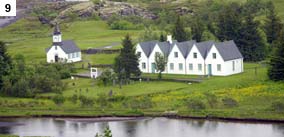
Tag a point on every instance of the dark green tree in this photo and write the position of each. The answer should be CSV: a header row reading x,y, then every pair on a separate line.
x,y
276,69
161,63
272,23
5,63
251,43
162,37
126,63
229,23
197,29
179,32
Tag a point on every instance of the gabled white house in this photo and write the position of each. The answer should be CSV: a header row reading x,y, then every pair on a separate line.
x,y
62,51
192,58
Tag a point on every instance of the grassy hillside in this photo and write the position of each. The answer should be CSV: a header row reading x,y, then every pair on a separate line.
x,y
30,38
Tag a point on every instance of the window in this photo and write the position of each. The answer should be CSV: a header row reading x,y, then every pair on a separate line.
x,y
200,67
172,66
214,55
143,65
73,55
233,65
190,66
55,47
218,67
195,55
180,66
139,54
176,54
77,54
69,56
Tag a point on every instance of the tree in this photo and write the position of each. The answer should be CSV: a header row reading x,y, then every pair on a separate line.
x,y
107,77
179,32
251,44
127,62
229,23
276,69
161,63
58,100
162,37
272,23
197,29
148,35
5,63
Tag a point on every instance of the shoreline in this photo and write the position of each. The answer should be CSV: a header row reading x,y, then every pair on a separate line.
x,y
112,118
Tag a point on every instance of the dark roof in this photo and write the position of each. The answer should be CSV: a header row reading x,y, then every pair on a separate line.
x,y
228,50
56,30
148,47
204,47
185,47
67,46
166,47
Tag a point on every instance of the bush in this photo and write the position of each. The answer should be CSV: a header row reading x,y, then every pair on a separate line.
x,y
229,102
124,25
74,99
58,100
195,104
143,102
86,102
277,106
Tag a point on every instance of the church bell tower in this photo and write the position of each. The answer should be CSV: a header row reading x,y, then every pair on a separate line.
x,y
57,36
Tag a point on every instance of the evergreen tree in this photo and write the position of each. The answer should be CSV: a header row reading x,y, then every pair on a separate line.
x,y
197,29
276,69
5,63
272,23
127,62
179,32
251,43
161,63
229,23
162,37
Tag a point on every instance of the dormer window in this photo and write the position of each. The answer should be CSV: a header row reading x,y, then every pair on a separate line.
x,y
214,55
195,55
176,54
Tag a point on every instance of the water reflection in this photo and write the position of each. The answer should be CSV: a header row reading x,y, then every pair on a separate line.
x,y
156,127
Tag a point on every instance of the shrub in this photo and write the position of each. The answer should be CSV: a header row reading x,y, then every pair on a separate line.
x,y
58,99
124,25
195,104
277,106
74,99
229,102
86,102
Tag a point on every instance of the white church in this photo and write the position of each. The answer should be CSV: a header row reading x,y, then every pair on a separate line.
x,y
192,58
62,51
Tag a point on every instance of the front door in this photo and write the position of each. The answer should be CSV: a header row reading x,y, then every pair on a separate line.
x,y
153,67
209,69
56,58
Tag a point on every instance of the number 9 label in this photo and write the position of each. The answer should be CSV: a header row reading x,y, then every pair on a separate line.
x,y
8,8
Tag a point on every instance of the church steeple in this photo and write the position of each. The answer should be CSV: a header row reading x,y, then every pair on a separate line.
x,y
57,36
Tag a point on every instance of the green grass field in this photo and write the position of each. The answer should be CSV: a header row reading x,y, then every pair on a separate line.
x,y
30,38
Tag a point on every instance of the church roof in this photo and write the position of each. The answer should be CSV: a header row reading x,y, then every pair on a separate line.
x,y
68,46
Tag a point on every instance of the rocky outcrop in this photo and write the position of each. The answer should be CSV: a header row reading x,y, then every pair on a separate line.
x,y
105,10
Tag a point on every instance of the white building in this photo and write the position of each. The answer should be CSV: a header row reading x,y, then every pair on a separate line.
x,y
62,51
192,58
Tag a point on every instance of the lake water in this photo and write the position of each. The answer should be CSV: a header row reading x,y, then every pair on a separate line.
x,y
148,127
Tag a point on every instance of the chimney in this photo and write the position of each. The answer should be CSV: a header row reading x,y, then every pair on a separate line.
x,y
169,39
